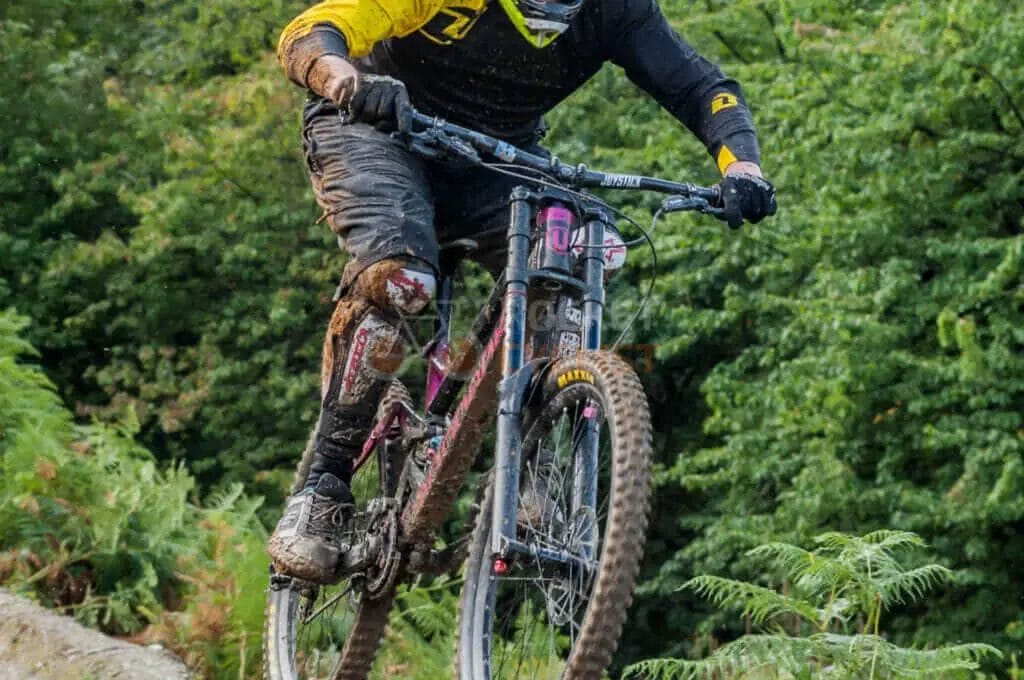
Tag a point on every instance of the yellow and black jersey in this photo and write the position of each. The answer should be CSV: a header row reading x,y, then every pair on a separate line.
x,y
464,60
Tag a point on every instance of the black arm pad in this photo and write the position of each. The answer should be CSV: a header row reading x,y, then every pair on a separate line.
x,y
323,39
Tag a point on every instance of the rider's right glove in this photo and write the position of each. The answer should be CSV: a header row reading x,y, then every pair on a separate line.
x,y
747,197
380,101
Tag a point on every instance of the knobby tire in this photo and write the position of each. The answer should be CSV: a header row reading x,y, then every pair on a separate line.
x,y
627,433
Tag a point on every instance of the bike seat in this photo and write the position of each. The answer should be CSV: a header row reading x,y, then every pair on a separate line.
x,y
453,252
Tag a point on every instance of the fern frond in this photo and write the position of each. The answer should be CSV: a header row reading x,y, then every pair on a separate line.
x,y
789,558
683,669
890,539
430,616
812,573
777,651
224,498
777,655
912,585
835,540
928,663
857,652
866,560
761,604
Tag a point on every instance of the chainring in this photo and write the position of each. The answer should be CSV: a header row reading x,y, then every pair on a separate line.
x,y
383,570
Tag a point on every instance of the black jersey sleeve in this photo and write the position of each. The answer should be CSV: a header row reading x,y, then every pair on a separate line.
x,y
691,88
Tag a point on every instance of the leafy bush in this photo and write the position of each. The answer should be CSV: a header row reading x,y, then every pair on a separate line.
x,y
420,638
854,362
89,524
828,624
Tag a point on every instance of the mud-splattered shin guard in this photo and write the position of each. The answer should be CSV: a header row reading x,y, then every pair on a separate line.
x,y
362,351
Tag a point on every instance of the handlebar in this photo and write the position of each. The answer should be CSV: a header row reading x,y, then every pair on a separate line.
x,y
433,137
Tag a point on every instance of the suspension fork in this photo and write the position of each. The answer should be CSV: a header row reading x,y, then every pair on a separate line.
x,y
509,436
585,463
516,375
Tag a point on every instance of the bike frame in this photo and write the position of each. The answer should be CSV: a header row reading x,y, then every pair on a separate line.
x,y
501,329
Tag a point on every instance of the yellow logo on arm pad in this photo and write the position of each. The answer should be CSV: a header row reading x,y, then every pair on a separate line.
x,y
723,101
574,376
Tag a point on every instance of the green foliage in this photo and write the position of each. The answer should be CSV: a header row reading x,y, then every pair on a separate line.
x,y
839,591
420,638
157,219
91,525
86,515
851,364
218,340
856,361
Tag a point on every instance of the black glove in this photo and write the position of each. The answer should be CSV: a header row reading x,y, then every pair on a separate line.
x,y
381,101
747,197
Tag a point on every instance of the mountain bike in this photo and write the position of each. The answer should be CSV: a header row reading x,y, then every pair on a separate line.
x,y
550,565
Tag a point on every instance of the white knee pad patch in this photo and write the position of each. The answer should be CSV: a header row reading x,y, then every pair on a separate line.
x,y
410,290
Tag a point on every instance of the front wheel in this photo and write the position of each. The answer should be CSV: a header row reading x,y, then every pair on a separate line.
x,y
584,491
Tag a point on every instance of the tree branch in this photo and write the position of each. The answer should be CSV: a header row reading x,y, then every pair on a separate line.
x,y
983,70
778,41
729,46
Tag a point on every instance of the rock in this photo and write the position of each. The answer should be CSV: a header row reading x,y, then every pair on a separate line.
x,y
38,644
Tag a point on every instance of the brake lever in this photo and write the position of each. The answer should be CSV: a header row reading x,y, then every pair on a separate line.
x,y
462,148
683,203
435,144
691,203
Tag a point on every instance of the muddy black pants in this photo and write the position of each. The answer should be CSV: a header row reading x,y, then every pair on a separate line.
x,y
383,201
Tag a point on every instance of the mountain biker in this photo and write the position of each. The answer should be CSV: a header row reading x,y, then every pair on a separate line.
x,y
492,65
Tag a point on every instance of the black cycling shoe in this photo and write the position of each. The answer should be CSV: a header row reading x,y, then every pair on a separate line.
x,y
307,542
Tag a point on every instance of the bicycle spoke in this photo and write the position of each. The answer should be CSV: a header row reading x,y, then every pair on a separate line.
x,y
540,605
333,601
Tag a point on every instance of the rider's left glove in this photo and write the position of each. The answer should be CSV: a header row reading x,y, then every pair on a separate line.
x,y
747,197
380,101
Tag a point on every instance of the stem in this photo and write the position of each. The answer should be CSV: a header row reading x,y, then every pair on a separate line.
x,y
729,46
57,566
241,658
877,615
779,46
823,624
874,613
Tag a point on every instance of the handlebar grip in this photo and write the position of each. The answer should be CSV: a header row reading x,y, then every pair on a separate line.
x,y
712,194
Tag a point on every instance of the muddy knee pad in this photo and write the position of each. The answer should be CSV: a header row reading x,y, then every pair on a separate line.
x,y
362,351
402,286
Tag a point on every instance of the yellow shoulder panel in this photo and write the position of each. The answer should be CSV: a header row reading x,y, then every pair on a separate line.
x,y
362,22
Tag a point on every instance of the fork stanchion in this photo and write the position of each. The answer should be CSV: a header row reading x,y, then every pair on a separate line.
x,y
509,437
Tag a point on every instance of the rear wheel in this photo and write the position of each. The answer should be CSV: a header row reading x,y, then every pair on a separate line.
x,y
584,491
313,632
